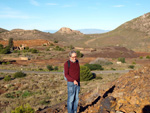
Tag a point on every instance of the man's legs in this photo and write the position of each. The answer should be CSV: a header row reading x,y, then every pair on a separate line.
x,y
73,97
71,94
76,100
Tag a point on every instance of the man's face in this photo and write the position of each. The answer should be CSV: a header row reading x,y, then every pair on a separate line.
x,y
73,57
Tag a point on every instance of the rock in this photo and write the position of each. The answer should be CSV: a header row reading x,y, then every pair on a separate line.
x,y
107,104
65,30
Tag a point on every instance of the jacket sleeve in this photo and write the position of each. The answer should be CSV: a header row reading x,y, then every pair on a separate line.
x,y
66,70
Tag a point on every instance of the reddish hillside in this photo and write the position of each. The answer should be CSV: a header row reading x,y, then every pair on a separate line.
x,y
29,43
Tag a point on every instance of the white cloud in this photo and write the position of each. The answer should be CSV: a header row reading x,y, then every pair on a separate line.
x,y
118,6
51,4
8,12
34,2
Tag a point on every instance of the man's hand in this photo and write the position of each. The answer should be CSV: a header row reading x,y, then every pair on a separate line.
x,y
75,82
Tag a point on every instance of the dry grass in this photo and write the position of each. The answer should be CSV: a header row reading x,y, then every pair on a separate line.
x,y
43,90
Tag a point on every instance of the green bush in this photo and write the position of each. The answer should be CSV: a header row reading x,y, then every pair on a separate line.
x,y
26,94
5,50
50,67
57,48
133,62
113,68
7,78
19,74
141,57
122,59
55,41
56,68
79,54
71,47
148,57
34,51
1,46
94,66
131,66
10,95
85,73
23,109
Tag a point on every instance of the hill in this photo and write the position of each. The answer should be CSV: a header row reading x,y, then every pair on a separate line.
x,y
134,34
20,34
3,30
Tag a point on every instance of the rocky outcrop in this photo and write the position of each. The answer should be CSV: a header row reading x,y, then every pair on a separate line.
x,y
65,30
128,94
132,91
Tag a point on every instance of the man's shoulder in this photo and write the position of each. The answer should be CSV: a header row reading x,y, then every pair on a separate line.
x,y
66,63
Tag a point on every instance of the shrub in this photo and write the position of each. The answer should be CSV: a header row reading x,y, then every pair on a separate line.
x,y
57,48
50,67
55,41
56,68
85,73
7,78
141,57
71,47
94,66
131,66
5,50
19,74
133,62
23,109
148,57
51,44
34,51
113,68
26,94
79,54
1,46
10,95
26,48
122,59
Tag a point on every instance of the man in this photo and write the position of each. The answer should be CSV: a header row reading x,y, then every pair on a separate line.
x,y
72,74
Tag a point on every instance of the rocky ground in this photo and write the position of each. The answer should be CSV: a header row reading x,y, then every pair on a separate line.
x,y
46,90
128,94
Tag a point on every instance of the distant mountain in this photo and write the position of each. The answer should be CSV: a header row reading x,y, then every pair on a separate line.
x,y
84,31
50,31
92,31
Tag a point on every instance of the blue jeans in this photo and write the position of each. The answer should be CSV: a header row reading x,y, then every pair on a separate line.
x,y
73,97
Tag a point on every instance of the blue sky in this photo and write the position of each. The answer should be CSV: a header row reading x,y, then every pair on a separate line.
x,y
75,14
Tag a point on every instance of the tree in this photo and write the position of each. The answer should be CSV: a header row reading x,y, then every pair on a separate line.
x,y
10,43
85,73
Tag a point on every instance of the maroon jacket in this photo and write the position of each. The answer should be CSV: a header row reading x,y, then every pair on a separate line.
x,y
73,72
